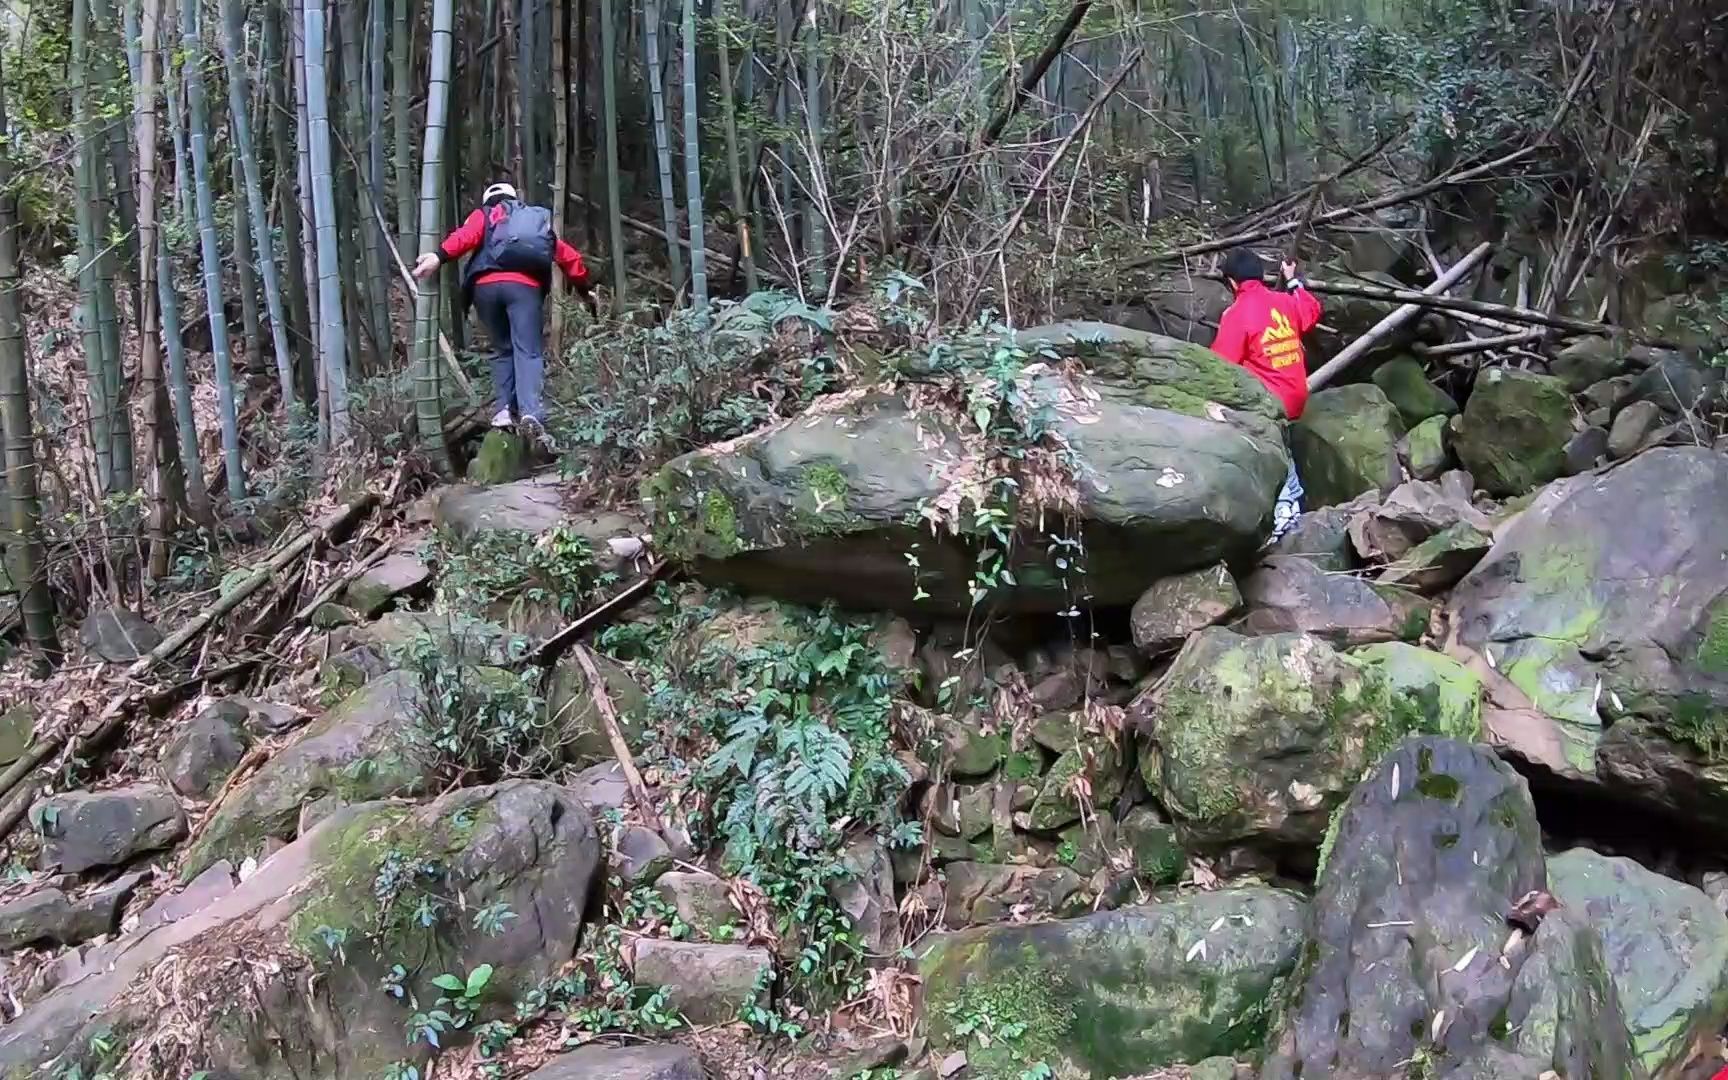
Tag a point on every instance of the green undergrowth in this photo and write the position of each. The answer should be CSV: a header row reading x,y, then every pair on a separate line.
x,y
778,721
628,398
483,723
555,570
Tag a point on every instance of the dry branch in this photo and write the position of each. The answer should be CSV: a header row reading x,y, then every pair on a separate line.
x,y
615,736
1396,198
1499,312
556,645
1476,345
1399,317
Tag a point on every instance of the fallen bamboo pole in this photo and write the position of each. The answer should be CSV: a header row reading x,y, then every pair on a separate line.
x,y
1385,327
556,645
252,583
1476,345
1502,312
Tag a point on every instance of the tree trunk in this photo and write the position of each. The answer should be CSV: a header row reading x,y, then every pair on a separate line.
x,y
815,223
729,116
90,232
250,195
662,141
529,90
25,560
245,273
297,322
332,330
560,160
403,151
177,121
158,445
198,116
693,164
428,399
609,92
372,313
119,147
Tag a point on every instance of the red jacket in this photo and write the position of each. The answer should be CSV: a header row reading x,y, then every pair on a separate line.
x,y
1262,331
468,237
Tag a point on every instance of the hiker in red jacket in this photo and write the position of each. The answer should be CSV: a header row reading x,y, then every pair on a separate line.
x,y
1262,331
507,280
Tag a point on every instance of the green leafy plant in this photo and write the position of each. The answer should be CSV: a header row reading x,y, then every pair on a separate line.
x,y
482,722
553,570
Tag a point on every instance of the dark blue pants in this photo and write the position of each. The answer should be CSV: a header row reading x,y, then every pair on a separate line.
x,y
514,315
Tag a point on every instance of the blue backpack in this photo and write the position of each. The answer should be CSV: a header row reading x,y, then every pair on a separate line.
x,y
522,242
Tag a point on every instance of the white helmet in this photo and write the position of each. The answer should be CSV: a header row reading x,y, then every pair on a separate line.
x,y
498,191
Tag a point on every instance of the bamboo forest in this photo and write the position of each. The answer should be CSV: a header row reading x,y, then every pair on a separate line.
x,y
863,539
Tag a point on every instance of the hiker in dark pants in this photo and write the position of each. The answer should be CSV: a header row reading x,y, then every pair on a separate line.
x,y
1262,331
514,252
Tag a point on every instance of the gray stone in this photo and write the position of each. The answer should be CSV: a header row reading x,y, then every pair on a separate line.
x,y
866,894
1290,594
523,846
642,856
1408,938
977,893
1604,600
1405,384
118,635
702,901
1119,992
662,1062
50,916
707,984
1632,427
369,747
1587,361
602,787
1177,606
1666,946
1423,450
1214,1068
1413,513
202,891
1323,536
17,729
83,830
1439,562
1586,450
395,575
1258,739
200,756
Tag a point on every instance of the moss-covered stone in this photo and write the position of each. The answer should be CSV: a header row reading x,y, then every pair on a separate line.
x,y
1112,994
1087,775
1514,430
1171,457
1424,449
1346,443
503,457
1406,385
1258,739
1177,606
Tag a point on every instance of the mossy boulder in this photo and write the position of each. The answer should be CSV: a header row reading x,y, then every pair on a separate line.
x,y
1261,738
1177,460
1408,957
503,456
1606,602
1588,361
1087,774
1667,950
1406,385
1113,994
1346,443
1424,448
976,893
322,923
369,747
1513,433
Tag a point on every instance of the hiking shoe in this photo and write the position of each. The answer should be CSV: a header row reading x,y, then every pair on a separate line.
x,y
502,420
535,432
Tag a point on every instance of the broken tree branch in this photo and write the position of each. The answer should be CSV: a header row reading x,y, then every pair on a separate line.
x,y
1451,179
556,645
615,736
252,583
1080,127
1500,312
1476,345
1385,327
